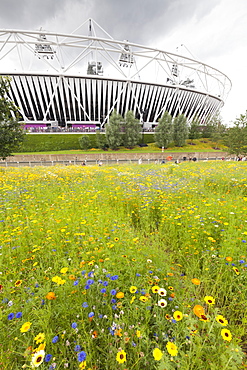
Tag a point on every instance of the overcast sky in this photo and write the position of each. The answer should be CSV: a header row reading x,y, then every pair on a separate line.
x,y
213,31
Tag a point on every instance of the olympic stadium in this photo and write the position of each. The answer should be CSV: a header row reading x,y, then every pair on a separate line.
x,y
77,80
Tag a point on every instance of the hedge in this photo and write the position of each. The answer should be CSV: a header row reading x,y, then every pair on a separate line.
x,y
57,142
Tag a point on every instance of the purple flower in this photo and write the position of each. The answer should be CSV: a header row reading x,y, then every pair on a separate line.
x,y
18,315
103,290
74,325
11,316
113,292
90,274
76,282
81,356
90,281
84,304
48,357
77,348
105,283
55,339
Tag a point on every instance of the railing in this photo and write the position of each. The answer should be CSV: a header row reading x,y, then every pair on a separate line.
x,y
107,162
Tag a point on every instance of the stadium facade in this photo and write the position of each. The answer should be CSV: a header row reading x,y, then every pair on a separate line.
x,y
78,80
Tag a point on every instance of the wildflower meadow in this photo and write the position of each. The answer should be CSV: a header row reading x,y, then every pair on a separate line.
x,y
127,267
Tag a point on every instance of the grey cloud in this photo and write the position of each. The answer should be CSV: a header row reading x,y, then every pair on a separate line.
x,y
140,21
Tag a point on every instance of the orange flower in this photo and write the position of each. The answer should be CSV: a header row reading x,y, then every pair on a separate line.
x,y
196,281
120,295
198,310
50,296
229,259
95,334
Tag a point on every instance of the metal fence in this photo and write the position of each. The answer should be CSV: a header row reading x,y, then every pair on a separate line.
x,y
103,162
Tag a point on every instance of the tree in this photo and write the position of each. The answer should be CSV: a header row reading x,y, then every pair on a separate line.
x,y
85,142
194,129
236,137
113,131
11,130
219,130
101,140
180,130
131,128
164,130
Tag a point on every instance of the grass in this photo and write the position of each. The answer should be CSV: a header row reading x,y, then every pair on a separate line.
x,y
202,145
126,267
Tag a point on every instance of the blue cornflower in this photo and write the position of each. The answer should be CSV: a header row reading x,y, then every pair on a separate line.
x,y
113,300
83,272
100,281
74,325
81,356
105,283
55,339
114,277
18,315
48,357
90,274
243,241
11,316
84,304
114,307
241,261
87,286
76,282
77,348
133,344
103,290
90,281
91,314
113,292
173,321
137,274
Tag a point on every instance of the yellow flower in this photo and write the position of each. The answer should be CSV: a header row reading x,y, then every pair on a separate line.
x,y
121,357
132,299
155,288
178,315
226,334
18,283
64,270
82,365
37,358
209,300
25,327
172,349
138,333
236,270
157,353
221,320
133,289
40,338
143,298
